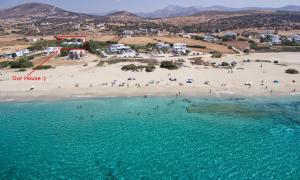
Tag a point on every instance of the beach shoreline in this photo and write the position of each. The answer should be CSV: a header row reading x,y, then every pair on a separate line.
x,y
86,79
115,93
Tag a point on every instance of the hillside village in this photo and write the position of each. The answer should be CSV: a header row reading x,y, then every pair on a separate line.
x,y
244,42
131,30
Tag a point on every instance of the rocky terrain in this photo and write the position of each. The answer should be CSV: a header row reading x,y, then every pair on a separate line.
x,y
44,19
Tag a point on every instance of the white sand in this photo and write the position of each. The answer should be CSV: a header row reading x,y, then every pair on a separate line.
x,y
60,82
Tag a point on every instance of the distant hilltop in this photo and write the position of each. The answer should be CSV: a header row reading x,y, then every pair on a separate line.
x,y
46,10
41,19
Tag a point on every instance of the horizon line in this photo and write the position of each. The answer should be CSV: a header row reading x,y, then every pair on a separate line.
x,y
104,12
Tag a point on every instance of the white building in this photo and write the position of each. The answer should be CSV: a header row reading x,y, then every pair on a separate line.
x,y
128,32
128,54
115,48
210,38
275,39
31,39
101,26
50,50
180,48
22,53
71,43
162,46
230,33
296,38
45,24
76,54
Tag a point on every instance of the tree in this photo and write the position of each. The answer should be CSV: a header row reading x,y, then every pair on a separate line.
x,y
64,53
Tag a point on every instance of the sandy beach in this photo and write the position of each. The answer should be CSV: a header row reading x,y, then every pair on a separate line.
x,y
77,80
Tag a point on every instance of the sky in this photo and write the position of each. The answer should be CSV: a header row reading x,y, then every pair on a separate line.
x,y
98,6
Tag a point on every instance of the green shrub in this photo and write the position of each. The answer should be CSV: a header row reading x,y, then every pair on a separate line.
x,y
168,65
196,37
29,58
22,63
94,46
216,54
4,64
64,53
247,51
241,39
291,71
224,64
132,67
197,61
100,63
150,68
197,46
45,67
21,70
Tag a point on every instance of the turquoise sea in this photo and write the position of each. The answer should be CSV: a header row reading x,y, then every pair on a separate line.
x,y
153,138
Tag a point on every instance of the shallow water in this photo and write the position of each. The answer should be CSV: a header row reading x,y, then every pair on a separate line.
x,y
153,138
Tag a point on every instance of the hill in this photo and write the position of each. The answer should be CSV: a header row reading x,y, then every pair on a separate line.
x,y
38,10
122,16
178,11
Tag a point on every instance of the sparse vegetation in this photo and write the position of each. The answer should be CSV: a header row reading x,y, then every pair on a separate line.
x,y
132,67
149,68
170,65
21,70
94,47
246,51
100,63
197,46
216,54
225,64
135,68
292,71
4,64
45,67
40,45
197,61
64,53
21,63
